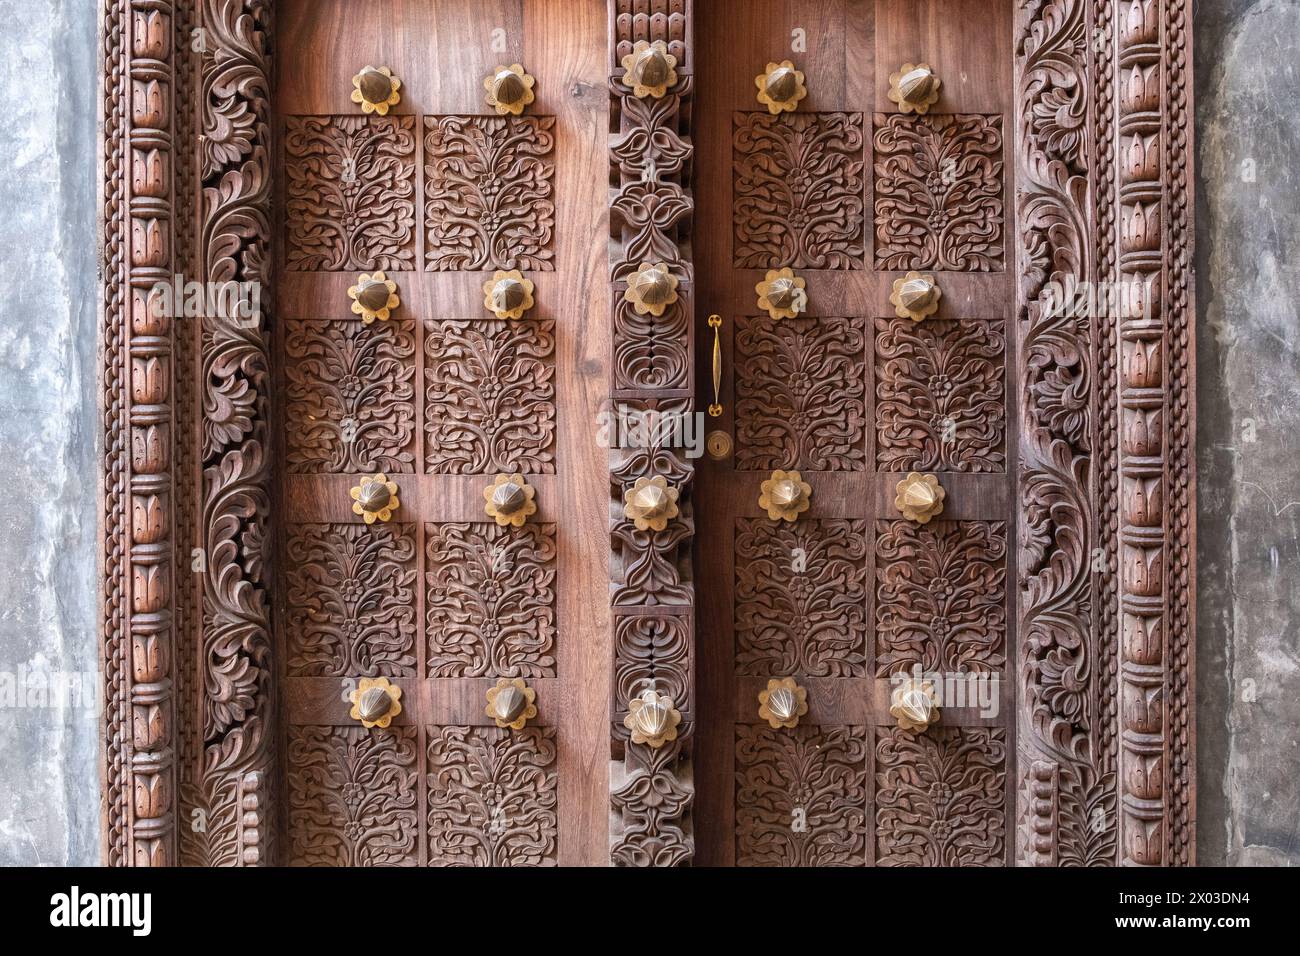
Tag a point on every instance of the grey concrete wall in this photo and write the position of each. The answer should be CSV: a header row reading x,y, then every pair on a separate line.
x,y
49,778
1248,261
1248,235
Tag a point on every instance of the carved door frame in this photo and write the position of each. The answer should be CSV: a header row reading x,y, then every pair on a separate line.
x,y
1106,469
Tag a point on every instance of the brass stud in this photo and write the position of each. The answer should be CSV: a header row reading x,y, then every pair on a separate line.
x,y
651,289
375,498
915,296
375,88
780,87
512,703
510,500
375,702
914,704
783,703
652,719
915,88
509,89
919,497
650,69
781,294
374,297
785,496
651,503
508,295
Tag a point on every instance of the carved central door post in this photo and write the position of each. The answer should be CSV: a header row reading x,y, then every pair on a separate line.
x,y
652,383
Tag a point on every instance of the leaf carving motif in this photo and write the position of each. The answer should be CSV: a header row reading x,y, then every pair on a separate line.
x,y
350,396
798,191
350,184
491,600
939,185
489,181
800,394
801,597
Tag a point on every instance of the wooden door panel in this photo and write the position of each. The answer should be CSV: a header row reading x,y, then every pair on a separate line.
x,y
441,397
852,194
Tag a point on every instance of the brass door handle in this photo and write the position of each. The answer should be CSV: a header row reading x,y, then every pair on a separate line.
x,y
783,703
715,410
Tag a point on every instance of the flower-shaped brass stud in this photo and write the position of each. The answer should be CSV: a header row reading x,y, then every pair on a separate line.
x,y
651,289
375,498
781,294
651,503
914,704
914,88
784,496
650,69
915,296
780,87
509,89
510,500
375,702
375,88
374,297
783,703
919,497
508,295
512,703
652,718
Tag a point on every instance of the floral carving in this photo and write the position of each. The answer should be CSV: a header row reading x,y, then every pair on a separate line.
x,y
491,600
651,652
939,190
351,600
941,596
352,796
940,797
489,190
800,394
350,183
801,796
652,351
490,397
350,397
940,402
798,191
492,796
801,598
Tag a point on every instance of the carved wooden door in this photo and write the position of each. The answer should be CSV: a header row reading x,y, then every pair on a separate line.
x,y
472,358
851,191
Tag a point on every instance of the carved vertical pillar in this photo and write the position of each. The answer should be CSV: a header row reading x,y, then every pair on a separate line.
x,y
652,380
1143,395
150,158
236,668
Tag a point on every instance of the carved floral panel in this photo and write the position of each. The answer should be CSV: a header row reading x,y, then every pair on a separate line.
x,y
489,397
488,185
652,351
798,191
940,797
940,402
492,796
800,394
651,651
801,597
350,396
491,600
352,796
801,796
350,192
351,600
941,596
938,192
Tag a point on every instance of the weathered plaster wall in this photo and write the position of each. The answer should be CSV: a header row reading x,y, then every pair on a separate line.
x,y
1248,261
49,789
1248,234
